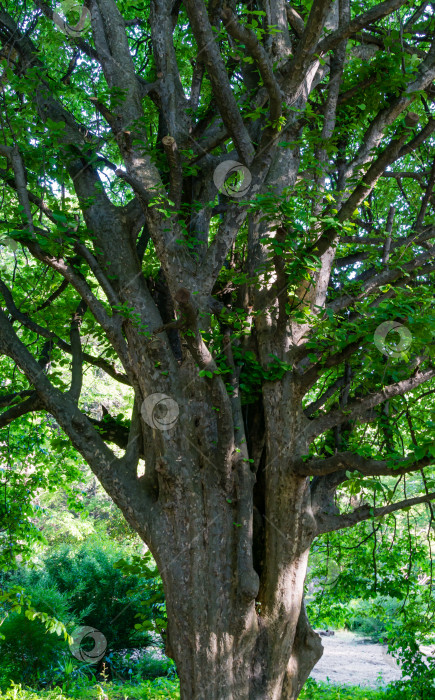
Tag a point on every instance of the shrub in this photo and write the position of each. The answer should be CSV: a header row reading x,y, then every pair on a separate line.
x,y
363,617
27,649
150,667
80,585
98,594
137,667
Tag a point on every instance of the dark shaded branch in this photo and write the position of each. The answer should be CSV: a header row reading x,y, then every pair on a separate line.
x,y
330,391
53,337
111,431
210,54
192,335
295,20
354,462
356,89
256,50
95,267
426,197
111,325
310,376
419,139
175,170
358,23
360,193
134,448
77,352
8,399
13,155
415,16
30,405
57,292
32,197
330,523
387,276
142,242
388,230
356,408
294,70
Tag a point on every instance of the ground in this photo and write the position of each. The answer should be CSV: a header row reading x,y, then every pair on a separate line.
x,y
351,660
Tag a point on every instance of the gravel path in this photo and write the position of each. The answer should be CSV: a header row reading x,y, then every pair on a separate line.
x,y
350,660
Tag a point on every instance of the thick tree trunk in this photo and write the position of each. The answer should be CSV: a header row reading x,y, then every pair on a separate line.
x,y
222,663
235,631
211,611
226,647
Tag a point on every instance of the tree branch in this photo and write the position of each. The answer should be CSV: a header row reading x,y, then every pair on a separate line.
x,y
249,39
318,403
50,335
359,22
212,58
351,461
361,191
330,523
121,485
13,155
77,352
357,408
30,405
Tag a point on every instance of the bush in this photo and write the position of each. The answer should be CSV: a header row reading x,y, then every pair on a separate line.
x,y
363,617
81,586
28,650
98,594
417,668
140,666
150,667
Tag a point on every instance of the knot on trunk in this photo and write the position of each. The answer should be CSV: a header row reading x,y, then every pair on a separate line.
x,y
249,584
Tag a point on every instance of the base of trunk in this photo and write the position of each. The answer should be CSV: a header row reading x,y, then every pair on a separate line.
x,y
221,669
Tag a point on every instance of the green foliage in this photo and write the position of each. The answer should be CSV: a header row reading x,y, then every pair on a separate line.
x,y
159,689
82,585
405,644
50,497
165,689
100,594
136,667
396,691
27,650
323,691
152,615
24,475
362,617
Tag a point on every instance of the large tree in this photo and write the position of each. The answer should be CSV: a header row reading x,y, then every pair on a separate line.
x,y
232,205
